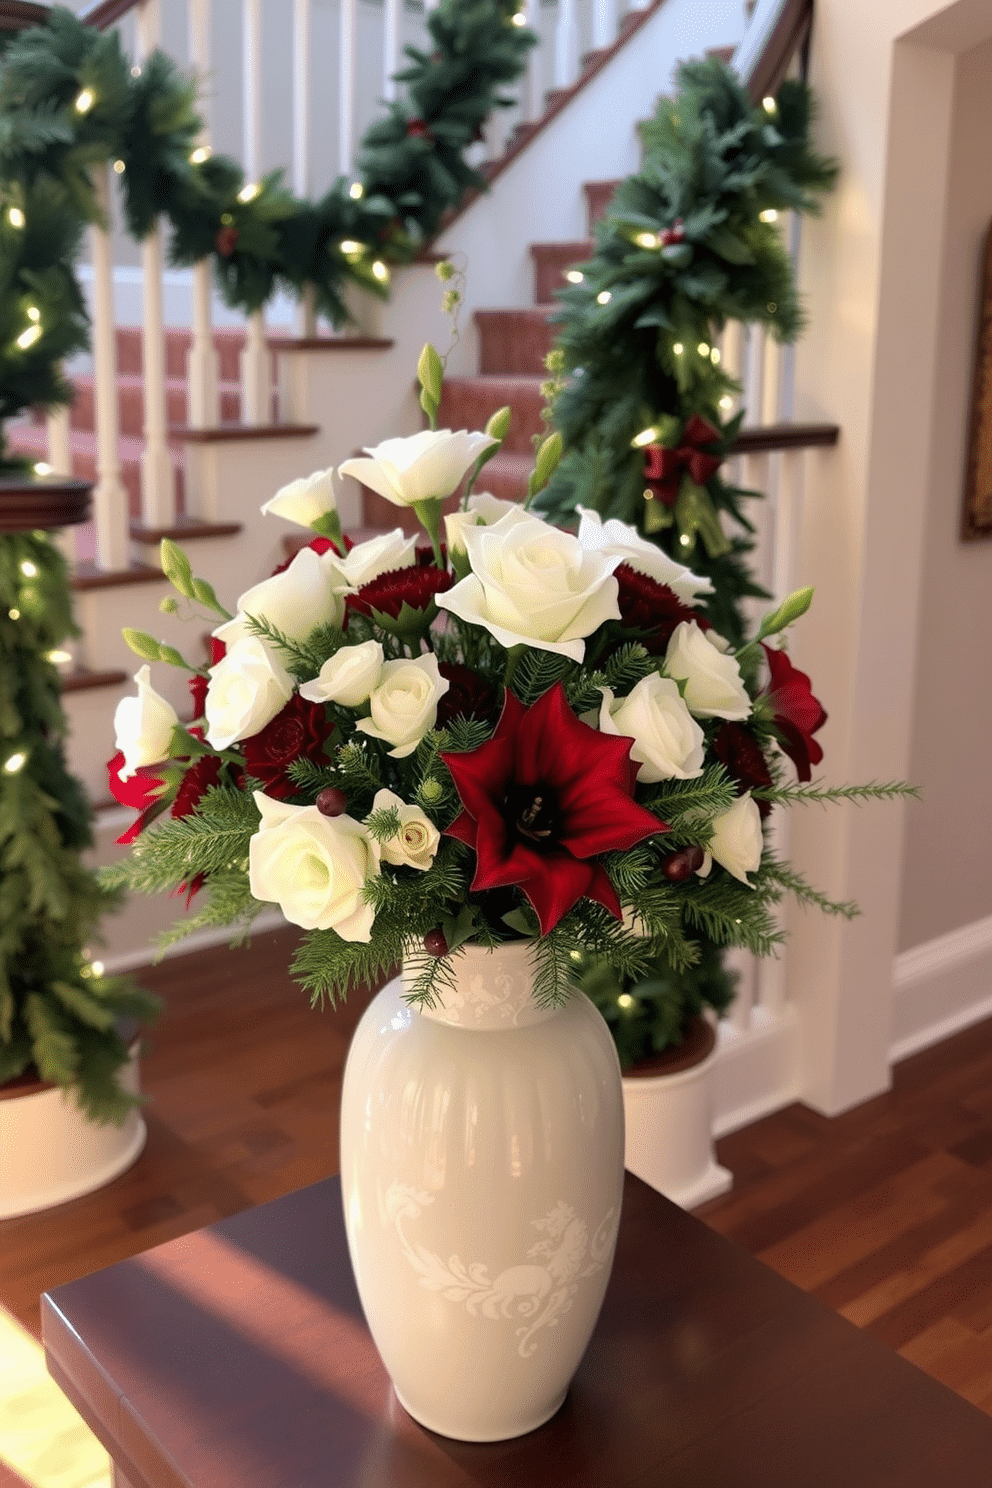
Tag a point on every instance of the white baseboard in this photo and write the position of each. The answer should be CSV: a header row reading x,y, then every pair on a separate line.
x,y
756,1072
941,987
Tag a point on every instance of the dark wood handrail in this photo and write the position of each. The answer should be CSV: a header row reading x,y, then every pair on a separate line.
x,y
17,15
764,437
105,12
787,25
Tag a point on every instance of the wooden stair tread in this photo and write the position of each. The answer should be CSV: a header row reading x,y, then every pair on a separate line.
x,y
88,575
331,343
82,679
185,529
219,433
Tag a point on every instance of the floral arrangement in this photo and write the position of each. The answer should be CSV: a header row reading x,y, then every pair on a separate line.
x,y
502,730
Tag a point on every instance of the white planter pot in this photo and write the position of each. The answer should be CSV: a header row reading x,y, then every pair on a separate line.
x,y
482,1174
50,1152
669,1133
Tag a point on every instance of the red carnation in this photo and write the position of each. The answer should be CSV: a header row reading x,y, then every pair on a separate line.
x,y
414,586
141,790
740,754
542,799
652,609
320,545
796,713
468,696
300,731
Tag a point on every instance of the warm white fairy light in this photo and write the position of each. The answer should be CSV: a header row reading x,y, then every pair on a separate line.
x,y
135,71
42,467
625,1000
703,348
199,155
15,762
768,104
29,337
351,248
249,192
575,276
604,297
119,167
647,240
34,313
58,658
715,357
685,541
96,967
356,190
380,271
769,215
29,569
678,348
646,436
726,401
15,217
85,101
518,18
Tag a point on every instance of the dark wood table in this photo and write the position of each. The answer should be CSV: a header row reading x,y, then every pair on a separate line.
x,y
237,1357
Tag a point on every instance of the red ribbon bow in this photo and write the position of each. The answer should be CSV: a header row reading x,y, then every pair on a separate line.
x,y
664,468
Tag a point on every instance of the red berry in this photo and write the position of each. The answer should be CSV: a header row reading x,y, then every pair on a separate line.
x,y
678,866
332,802
435,943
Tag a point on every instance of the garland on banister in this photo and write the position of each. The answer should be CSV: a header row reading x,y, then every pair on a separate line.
x,y
690,242
70,100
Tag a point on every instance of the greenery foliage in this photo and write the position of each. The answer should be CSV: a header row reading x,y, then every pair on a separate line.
x,y
57,1013
70,102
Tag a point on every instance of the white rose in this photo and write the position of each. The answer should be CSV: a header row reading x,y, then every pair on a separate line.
x,y
615,538
736,842
295,601
143,726
415,844
347,677
668,742
422,467
368,560
534,585
304,501
483,511
714,688
404,703
314,867
246,691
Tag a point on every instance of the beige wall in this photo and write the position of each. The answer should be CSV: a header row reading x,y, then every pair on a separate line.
x,y
947,875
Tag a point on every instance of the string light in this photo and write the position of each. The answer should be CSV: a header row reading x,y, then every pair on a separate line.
x,y
646,436
769,215
42,467
34,313
226,219
119,167
29,337
29,569
518,18
16,217
356,190
14,614
715,357
136,71
380,271
604,297
678,348
85,101
685,541
703,348
199,155
14,763
248,193
350,248
625,1000
647,240
575,276
58,658
726,401
97,968
769,105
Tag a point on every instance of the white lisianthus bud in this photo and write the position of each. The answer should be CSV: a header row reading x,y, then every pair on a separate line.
x,y
534,585
483,511
295,601
667,740
314,867
415,844
422,467
714,687
737,842
614,538
304,501
368,560
347,677
247,688
143,726
404,703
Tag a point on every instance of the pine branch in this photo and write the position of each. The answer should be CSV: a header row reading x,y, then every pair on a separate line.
x,y
784,876
800,794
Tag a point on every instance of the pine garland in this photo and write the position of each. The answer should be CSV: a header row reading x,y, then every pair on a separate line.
x,y
69,102
57,1012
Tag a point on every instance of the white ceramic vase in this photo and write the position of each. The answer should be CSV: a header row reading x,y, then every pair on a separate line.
x,y
482,1174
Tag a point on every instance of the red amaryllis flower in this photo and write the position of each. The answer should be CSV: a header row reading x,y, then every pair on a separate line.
x,y
414,586
320,546
300,731
652,609
468,695
141,790
201,775
542,799
796,713
740,753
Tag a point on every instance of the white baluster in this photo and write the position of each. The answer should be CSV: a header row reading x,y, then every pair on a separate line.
x,y
202,363
743,964
346,86
754,375
566,47
255,361
604,23
306,320
532,97
59,454
110,506
390,47
158,493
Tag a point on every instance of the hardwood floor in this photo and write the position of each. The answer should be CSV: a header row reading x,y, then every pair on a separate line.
x,y
885,1213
